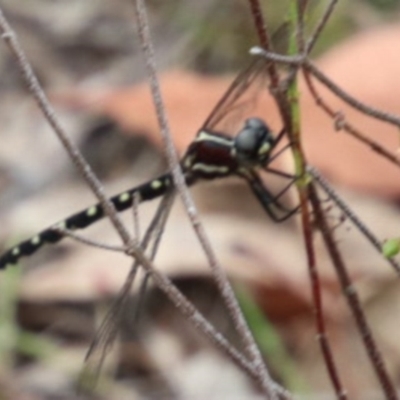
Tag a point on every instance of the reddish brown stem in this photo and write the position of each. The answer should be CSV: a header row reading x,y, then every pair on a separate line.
x,y
317,301
265,42
352,298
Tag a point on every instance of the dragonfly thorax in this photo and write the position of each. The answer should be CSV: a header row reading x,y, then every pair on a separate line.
x,y
254,142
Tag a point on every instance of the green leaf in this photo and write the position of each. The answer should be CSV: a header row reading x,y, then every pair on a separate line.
x,y
391,247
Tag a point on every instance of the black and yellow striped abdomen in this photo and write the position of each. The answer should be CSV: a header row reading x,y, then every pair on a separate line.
x,y
82,219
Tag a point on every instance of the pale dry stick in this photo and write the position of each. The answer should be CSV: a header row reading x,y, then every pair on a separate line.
x,y
376,147
199,321
353,102
79,238
34,87
346,126
376,243
184,306
219,275
135,214
156,230
297,60
342,124
302,60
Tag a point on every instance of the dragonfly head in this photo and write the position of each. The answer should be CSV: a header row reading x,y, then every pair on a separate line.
x,y
254,142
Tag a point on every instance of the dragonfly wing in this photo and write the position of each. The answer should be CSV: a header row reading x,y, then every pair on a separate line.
x,y
240,97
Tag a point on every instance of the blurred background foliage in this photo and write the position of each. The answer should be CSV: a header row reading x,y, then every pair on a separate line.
x,y
209,36
218,35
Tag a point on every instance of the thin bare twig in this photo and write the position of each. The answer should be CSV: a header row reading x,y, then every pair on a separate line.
x,y
347,127
225,288
344,125
198,320
358,105
318,309
296,60
376,243
352,298
302,60
89,242
135,214
263,36
300,25
321,25
10,38
262,30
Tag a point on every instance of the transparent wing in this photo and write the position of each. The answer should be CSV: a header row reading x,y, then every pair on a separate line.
x,y
105,337
109,328
239,99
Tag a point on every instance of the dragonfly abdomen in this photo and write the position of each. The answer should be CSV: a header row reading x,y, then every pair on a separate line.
x,y
148,191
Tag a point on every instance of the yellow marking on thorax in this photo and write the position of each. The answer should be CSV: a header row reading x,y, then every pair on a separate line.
x,y
221,169
264,149
204,136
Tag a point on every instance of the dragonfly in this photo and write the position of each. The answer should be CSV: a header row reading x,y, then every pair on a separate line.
x,y
213,154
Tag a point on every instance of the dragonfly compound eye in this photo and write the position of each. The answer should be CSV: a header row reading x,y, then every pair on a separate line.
x,y
254,142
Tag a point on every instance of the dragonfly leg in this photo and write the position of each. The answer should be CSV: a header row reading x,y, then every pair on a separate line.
x,y
280,173
274,204
268,201
285,189
277,154
268,207
286,216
